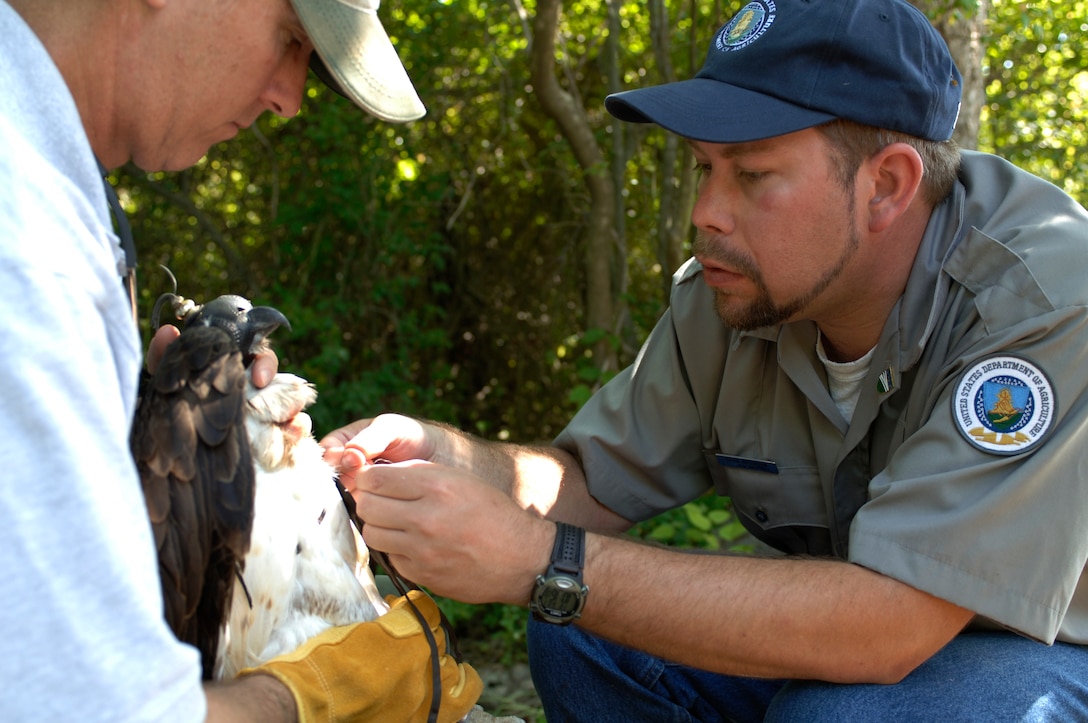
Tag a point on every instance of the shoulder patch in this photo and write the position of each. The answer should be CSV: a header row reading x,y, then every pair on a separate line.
x,y
1004,405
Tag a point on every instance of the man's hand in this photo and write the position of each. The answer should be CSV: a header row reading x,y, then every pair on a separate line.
x,y
255,698
451,531
388,437
262,370
164,336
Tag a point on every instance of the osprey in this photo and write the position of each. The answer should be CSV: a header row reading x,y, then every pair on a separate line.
x,y
256,546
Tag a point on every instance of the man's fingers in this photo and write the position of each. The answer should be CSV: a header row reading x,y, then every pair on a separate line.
x,y
164,335
348,462
391,437
386,500
400,481
264,368
339,437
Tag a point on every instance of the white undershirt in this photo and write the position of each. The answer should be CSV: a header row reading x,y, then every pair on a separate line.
x,y
844,379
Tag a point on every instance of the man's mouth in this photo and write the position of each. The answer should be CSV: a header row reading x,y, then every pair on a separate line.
x,y
716,274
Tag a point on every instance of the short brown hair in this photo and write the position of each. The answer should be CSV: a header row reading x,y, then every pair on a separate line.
x,y
851,143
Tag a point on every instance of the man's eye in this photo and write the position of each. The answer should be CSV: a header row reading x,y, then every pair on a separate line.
x,y
751,176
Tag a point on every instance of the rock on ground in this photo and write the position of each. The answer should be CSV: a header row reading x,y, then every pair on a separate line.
x,y
479,715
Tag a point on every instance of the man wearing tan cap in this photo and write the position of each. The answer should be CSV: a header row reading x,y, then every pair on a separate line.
x,y
87,85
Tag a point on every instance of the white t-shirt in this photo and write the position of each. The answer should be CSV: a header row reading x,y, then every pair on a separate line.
x,y
844,378
82,635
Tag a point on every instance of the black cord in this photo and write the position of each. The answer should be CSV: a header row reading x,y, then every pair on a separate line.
x,y
403,585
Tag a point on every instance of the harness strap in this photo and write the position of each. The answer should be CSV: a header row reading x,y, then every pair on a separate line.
x,y
128,245
403,585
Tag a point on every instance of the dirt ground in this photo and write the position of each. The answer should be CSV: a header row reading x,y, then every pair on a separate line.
x,y
508,694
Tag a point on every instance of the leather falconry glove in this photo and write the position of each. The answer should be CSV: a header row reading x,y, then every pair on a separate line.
x,y
376,671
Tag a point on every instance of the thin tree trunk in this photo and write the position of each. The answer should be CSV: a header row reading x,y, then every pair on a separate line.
x,y
674,217
962,31
600,237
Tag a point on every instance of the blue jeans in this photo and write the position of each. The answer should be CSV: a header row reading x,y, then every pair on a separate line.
x,y
989,677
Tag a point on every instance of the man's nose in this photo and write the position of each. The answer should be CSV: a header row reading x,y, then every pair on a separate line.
x,y
283,94
711,211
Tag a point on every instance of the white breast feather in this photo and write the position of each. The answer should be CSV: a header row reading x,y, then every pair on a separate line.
x,y
307,567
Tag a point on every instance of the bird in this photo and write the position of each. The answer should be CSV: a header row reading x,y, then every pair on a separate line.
x,y
258,548
307,568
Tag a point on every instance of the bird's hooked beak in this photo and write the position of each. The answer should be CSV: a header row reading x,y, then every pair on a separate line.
x,y
261,321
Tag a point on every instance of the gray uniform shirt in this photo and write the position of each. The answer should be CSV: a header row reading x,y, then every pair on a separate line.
x,y
962,472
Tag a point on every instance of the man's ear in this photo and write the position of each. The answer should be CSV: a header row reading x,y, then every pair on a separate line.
x,y
894,175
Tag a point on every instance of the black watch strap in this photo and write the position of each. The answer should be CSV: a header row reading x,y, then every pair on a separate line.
x,y
569,552
559,595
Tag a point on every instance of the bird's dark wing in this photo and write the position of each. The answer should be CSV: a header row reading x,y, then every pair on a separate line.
x,y
190,446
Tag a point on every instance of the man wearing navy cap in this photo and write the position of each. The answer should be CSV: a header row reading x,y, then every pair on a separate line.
x,y
879,353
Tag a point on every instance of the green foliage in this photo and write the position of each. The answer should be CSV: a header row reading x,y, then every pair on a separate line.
x,y
590,375
1036,74
500,627
707,523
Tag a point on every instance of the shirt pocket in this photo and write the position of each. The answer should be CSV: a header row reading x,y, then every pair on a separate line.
x,y
782,506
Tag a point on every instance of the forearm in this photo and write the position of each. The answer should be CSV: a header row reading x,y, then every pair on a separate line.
x,y
774,618
256,698
544,480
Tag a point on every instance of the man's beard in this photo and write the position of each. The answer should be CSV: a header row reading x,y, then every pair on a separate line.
x,y
763,311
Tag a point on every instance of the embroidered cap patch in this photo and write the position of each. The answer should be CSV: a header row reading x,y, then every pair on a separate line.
x,y
746,26
1004,405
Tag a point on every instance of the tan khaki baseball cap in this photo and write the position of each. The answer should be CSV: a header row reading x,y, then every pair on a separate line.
x,y
356,58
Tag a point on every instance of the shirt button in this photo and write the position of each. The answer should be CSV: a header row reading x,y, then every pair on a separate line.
x,y
761,516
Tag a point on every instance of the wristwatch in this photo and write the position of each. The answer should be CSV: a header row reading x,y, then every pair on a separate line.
x,y
559,595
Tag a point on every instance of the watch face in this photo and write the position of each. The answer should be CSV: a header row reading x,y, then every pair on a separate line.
x,y
558,599
559,596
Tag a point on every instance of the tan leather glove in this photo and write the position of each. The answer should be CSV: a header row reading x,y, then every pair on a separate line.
x,y
376,671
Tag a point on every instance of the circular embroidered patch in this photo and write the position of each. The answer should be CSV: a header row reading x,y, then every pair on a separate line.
x,y
746,26
1004,405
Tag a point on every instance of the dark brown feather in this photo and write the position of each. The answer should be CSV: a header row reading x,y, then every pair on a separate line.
x,y
193,456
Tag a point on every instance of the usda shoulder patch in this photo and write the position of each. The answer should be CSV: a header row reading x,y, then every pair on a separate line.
x,y
1004,405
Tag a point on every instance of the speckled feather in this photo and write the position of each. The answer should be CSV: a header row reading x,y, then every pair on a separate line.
x,y
256,550
193,456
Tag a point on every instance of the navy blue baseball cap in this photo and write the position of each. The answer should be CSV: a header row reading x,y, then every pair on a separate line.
x,y
780,66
